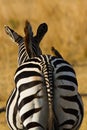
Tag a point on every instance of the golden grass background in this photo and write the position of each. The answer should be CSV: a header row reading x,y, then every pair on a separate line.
x,y
67,31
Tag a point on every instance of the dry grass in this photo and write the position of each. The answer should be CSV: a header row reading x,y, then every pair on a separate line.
x,y
67,32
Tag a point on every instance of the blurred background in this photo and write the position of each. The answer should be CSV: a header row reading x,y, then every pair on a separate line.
x,y
67,32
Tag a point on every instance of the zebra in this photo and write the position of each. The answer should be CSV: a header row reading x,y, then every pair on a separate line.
x,y
67,83
66,103
33,77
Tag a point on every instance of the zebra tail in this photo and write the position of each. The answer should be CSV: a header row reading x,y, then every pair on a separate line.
x,y
51,118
